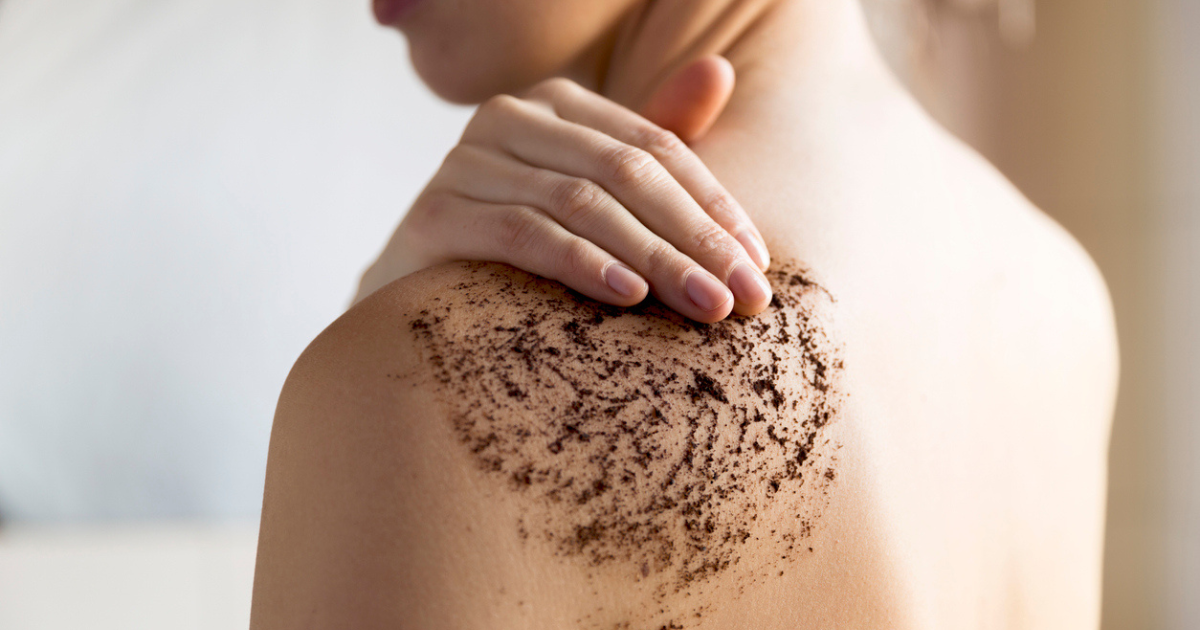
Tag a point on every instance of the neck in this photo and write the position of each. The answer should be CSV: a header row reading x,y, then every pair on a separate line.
x,y
769,42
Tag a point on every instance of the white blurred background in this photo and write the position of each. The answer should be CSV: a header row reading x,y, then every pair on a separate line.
x,y
190,188
188,191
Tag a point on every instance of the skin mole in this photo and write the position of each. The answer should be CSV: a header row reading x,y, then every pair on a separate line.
x,y
643,440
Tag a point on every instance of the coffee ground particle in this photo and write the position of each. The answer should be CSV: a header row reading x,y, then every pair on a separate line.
x,y
639,436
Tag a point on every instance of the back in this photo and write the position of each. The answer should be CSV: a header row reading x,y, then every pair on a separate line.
x,y
913,437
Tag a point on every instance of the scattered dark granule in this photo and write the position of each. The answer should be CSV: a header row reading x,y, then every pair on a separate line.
x,y
706,386
642,439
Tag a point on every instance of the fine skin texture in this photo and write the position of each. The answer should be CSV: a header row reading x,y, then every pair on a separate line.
x,y
969,370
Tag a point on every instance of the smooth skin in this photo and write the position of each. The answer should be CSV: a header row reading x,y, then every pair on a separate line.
x,y
980,358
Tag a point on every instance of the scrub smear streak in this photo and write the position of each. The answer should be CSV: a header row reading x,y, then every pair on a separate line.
x,y
673,452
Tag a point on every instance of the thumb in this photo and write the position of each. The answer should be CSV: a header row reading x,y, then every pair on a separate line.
x,y
689,101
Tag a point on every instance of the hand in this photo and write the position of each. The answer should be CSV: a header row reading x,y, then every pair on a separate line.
x,y
568,185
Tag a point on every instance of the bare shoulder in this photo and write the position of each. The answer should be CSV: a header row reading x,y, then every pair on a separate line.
x,y
649,439
488,445
1051,296
1065,306
1048,253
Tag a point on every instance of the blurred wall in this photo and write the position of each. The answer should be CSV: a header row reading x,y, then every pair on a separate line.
x,y
1095,115
188,192
1175,181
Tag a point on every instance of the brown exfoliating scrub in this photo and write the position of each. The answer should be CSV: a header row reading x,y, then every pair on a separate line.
x,y
642,439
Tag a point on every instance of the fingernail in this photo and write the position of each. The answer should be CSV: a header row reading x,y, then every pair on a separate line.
x,y
706,292
623,280
756,249
749,286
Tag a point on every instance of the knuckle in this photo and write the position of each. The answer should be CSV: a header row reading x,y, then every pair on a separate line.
x,y
427,207
499,105
574,199
627,164
712,241
517,230
490,116
422,217
661,259
572,258
660,142
720,205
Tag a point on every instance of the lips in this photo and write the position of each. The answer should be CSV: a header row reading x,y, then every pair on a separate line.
x,y
389,12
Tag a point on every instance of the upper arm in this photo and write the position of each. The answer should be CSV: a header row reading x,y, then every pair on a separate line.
x,y
368,512
498,453
374,514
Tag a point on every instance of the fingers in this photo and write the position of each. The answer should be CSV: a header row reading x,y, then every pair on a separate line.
x,y
585,209
524,237
653,195
576,104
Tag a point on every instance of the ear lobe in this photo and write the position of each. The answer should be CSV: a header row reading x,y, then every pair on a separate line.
x,y
689,101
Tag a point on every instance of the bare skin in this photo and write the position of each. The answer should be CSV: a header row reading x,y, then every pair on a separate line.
x,y
978,371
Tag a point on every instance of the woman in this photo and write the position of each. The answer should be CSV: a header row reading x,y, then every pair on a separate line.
x,y
909,432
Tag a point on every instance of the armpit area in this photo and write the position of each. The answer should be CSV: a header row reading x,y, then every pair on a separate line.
x,y
643,441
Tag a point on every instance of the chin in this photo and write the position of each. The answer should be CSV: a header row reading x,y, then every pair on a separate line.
x,y
463,84
466,70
